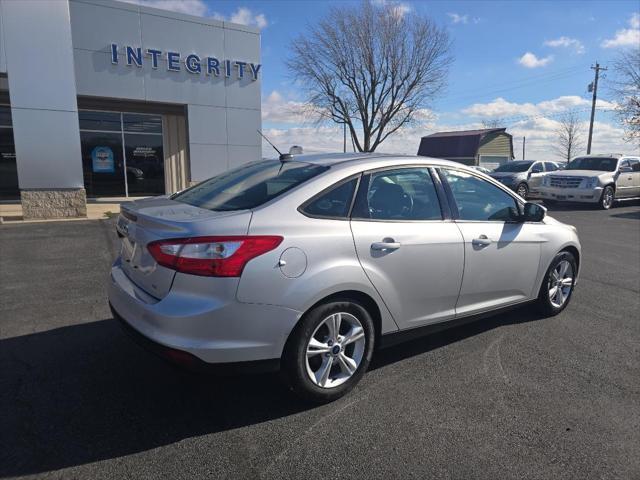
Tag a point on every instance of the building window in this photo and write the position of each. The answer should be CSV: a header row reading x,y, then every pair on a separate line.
x,y
114,143
8,170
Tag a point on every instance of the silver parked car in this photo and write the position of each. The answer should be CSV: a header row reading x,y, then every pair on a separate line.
x,y
596,179
523,176
311,263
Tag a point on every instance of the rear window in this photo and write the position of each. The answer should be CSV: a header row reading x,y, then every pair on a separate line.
x,y
601,164
248,186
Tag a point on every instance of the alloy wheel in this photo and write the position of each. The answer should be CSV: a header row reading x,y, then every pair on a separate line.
x,y
522,190
335,350
560,283
607,197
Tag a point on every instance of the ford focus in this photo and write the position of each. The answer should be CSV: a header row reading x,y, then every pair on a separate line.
x,y
310,263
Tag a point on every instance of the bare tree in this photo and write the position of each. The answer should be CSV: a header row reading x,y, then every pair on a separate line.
x,y
625,90
372,67
493,123
568,136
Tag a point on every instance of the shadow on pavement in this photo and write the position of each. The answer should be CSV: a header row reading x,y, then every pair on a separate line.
x,y
86,392
628,215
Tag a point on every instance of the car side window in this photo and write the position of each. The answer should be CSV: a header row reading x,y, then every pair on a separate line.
x,y
332,203
550,167
625,164
401,194
478,199
537,168
635,164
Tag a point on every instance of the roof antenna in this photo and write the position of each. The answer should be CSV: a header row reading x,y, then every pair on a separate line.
x,y
283,156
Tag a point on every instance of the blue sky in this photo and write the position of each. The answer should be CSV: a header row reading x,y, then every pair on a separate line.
x,y
526,62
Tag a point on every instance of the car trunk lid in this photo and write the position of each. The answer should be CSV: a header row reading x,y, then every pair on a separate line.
x,y
144,221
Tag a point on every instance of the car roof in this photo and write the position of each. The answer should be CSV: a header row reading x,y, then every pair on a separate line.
x,y
370,160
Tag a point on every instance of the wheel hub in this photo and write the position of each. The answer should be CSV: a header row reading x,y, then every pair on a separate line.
x,y
335,350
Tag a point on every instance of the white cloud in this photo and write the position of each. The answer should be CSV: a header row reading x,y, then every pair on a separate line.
x,y
540,128
566,42
457,18
529,60
190,7
399,8
242,15
500,108
463,19
626,37
277,109
245,16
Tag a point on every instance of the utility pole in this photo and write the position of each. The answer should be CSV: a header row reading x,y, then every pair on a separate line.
x,y
344,137
524,142
594,87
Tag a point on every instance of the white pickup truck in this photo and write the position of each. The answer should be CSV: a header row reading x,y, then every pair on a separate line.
x,y
597,179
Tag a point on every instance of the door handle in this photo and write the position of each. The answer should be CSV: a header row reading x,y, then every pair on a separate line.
x,y
381,246
481,241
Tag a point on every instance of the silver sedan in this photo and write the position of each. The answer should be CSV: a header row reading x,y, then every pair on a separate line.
x,y
309,264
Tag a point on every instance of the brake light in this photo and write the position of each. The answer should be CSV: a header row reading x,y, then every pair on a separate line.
x,y
211,256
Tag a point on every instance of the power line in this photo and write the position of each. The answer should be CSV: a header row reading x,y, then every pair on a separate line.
x,y
522,83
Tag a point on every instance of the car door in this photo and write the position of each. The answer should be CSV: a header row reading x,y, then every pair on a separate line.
x,y
625,181
411,252
502,255
536,173
635,176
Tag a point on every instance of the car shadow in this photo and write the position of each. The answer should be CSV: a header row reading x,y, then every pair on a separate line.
x,y
85,393
628,215
449,336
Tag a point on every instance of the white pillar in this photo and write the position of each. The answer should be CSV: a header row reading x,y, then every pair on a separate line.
x,y
42,90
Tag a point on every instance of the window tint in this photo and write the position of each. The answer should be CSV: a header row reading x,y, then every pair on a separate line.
x,y
5,116
550,166
90,120
537,168
603,164
403,194
249,185
479,200
334,203
635,164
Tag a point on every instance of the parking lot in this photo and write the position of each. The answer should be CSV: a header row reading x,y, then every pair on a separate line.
x,y
512,396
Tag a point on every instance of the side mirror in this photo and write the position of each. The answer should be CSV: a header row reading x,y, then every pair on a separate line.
x,y
533,212
625,169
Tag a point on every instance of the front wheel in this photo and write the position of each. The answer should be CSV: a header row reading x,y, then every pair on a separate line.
x,y
607,197
329,351
523,190
557,285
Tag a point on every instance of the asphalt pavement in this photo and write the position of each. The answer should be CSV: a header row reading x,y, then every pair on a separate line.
x,y
512,396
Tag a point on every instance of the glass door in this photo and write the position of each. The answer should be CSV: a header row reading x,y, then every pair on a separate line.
x,y
122,154
8,170
145,157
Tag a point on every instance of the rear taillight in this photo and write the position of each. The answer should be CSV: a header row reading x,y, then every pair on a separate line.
x,y
211,256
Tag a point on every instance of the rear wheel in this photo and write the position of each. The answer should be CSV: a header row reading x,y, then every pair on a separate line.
x,y
329,350
557,285
607,198
522,190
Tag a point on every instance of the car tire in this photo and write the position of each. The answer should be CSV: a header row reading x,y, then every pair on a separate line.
x,y
553,298
523,190
303,372
607,198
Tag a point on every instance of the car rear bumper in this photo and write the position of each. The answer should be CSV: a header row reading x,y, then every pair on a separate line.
x,y
209,329
583,195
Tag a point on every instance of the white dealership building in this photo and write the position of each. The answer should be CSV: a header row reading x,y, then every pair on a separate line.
x,y
110,99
